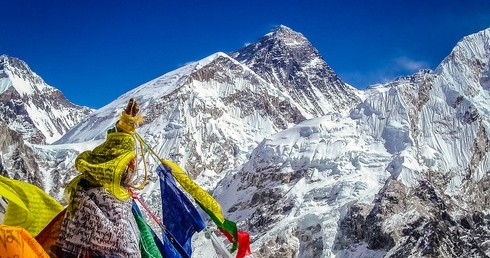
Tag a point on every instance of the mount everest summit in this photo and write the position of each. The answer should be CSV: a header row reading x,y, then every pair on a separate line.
x,y
309,165
287,60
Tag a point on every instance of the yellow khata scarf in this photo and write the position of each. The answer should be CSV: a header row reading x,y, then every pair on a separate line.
x,y
128,123
104,166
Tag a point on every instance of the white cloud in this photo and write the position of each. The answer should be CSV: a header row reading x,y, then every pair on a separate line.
x,y
400,66
406,64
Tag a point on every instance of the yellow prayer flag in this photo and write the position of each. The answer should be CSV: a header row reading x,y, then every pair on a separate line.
x,y
29,206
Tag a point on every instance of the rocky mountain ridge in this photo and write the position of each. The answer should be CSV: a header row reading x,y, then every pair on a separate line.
x,y
28,105
287,60
402,175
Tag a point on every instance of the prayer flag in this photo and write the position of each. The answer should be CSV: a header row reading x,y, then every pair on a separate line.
x,y
240,239
49,235
150,245
179,215
18,242
29,206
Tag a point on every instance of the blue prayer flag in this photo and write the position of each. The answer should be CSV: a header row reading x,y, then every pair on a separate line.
x,y
179,215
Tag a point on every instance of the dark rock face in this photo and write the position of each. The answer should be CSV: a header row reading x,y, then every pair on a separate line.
x,y
18,160
287,60
352,227
416,222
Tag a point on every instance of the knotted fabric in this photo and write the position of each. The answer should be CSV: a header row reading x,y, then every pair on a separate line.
x,y
104,166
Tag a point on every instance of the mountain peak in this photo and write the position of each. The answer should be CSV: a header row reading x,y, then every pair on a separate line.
x,y
287,36
209,59
25,99
469,48
3,57
287,60
16,73
13,62
281,29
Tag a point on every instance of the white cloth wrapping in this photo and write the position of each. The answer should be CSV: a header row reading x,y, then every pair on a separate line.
x,y
101,226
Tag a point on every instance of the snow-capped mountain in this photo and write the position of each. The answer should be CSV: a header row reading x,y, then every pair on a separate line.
x,y
287,60
310,166
208,115
438,205
28,105
290,194
421,143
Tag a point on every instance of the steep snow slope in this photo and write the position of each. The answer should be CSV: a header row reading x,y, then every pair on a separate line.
x,y
28,105
437,207
291,192
207,116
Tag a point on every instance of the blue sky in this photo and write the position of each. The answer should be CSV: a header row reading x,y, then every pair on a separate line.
x,y
94,51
